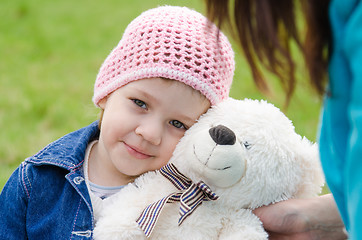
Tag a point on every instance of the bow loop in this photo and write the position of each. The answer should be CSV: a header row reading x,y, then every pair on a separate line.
x,y
190,196
208,193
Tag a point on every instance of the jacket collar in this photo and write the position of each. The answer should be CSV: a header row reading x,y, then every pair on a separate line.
x,y
68,151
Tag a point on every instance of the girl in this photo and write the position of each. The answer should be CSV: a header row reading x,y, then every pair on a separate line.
x,y
170,66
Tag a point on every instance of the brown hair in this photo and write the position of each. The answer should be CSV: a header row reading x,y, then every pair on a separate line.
x,y
266,29
100,118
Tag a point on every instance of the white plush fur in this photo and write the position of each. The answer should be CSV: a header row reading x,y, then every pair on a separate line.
x,y
268,163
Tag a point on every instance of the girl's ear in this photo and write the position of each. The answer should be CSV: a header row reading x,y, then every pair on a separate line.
x,y
102,103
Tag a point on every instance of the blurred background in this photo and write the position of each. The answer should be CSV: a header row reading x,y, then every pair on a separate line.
x,y
50,53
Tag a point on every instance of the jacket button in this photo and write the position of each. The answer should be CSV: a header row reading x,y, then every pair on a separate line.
x,y
78,180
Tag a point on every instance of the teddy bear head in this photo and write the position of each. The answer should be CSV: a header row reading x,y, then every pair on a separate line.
x,y
249,154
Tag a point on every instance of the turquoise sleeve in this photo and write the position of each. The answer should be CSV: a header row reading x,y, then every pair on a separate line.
x,y
353,166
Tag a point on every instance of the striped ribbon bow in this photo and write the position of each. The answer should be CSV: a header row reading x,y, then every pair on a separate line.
x,y
190,196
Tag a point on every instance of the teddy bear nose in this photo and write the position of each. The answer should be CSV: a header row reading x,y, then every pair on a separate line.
x,y
222,135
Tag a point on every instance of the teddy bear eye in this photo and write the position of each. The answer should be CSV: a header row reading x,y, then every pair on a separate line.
x,y
247,145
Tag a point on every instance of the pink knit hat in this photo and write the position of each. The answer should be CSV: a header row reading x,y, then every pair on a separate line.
x,y
170,42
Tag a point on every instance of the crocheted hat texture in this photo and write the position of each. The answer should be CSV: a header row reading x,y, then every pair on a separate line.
x,y
170,42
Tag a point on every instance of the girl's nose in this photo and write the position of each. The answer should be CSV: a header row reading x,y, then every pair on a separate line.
x,y
150,130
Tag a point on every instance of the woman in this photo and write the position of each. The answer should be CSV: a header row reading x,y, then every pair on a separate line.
x,y
332,51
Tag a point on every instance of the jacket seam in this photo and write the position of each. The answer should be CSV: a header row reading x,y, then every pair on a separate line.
x,y
42,162
25,180
76,217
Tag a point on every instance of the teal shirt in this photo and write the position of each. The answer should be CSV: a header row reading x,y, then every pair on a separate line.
x,y
341,125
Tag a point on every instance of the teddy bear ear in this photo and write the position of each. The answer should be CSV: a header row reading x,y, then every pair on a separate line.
x,y
312,175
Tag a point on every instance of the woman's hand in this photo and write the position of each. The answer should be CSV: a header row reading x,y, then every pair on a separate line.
x,y
303,219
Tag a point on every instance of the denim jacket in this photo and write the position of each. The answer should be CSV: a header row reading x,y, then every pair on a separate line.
x,y
46,197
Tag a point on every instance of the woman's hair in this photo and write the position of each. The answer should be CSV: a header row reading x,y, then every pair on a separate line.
x,y
266,30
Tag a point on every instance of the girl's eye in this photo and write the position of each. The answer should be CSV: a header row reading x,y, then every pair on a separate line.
x,y
177,124
140,103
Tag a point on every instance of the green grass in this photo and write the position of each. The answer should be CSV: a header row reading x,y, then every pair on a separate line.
x,y
50,53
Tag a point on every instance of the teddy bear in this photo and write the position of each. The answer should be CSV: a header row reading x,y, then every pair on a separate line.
x,y
240,155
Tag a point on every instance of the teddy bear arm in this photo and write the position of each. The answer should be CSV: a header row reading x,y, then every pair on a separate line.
x,y
126,232
119,215
120,225
242,225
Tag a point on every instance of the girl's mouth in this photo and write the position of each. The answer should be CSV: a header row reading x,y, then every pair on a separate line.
x,y
135,152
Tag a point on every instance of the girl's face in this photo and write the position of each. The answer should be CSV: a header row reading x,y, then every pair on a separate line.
x,y
142,123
